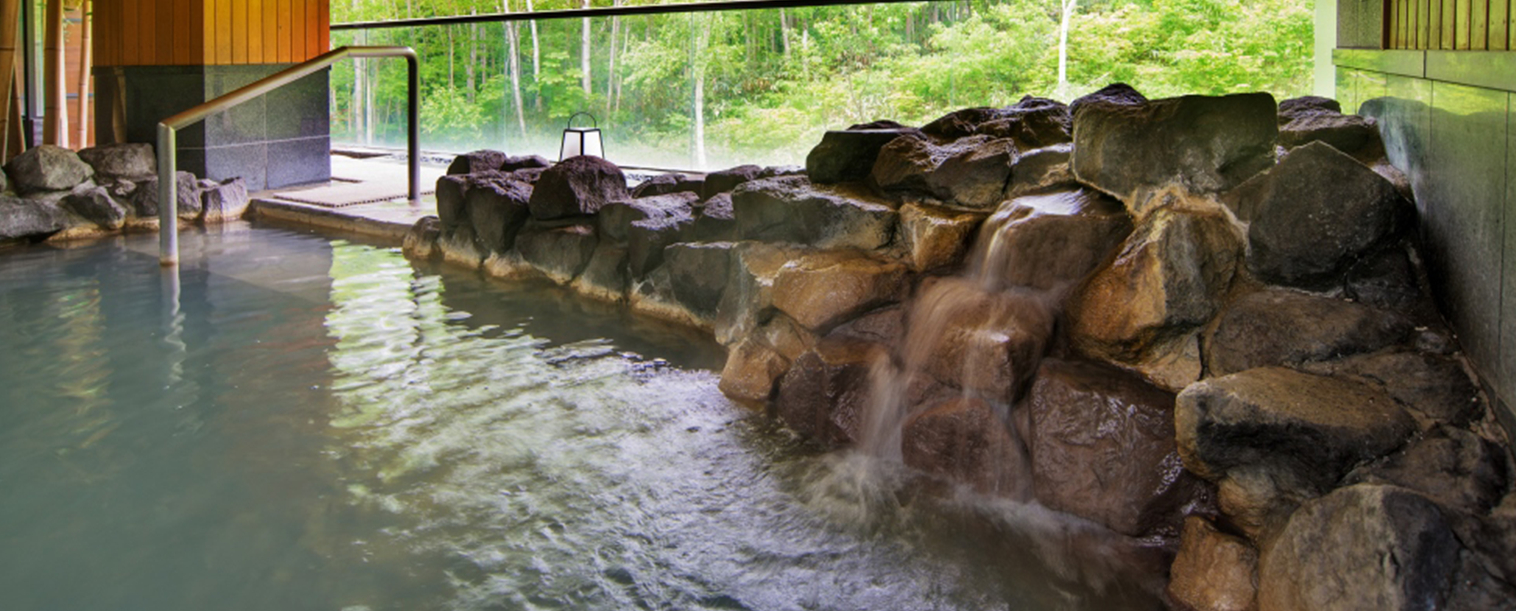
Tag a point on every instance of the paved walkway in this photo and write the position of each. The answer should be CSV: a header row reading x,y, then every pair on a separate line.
x,y
365,196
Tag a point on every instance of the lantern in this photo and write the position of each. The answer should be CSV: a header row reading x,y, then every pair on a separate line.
x,y
581,140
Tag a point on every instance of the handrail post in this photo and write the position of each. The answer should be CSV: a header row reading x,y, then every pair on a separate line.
x,y
168,197
413,112
168,209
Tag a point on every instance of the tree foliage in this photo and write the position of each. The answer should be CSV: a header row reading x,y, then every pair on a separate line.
x,y
774,80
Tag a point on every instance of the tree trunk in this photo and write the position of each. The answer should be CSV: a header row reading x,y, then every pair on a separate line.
x,y
536,60
451,84
584,54
55,89
784,33
1063,48
86,27
473,59
697,74
610,71
513,45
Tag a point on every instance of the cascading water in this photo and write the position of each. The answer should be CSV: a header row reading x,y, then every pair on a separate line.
x,y
974,340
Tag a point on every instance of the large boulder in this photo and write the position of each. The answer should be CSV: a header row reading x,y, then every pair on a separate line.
x,y
224,201
970,172
1285,327
963,440
452,209
848,155
825,394
496,206
751,372
1201,144
1368,547
121,161
823,289
789,209
420,240
716,221
699,274
647,239
1350,134
1041,170
577,186
748,300
1450,465
560,253
986,343
1102,445
1114,93
1031,123
937,238
605,277
1435,387
1315,214
29,219
187,192
1387,280
47,168
96,205
1053,241
524,165
1307,105
616,218
458,246
1167,280
1309,429
723,181
664,184
1213,571
476,161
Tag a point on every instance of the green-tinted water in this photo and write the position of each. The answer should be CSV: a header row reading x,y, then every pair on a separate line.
x,y
307,423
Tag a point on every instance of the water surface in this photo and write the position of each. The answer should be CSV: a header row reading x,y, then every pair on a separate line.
x,y
301,422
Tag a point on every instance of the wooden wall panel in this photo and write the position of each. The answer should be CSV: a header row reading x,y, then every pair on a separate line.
x,y
1499,24
209,32
1479,25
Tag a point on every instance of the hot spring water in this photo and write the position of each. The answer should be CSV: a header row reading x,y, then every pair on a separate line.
x,y
317,424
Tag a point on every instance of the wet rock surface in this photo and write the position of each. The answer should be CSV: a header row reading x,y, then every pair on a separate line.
x,y
1284,327
577,186
1102,445
1201,144
1214,570
46,168
1315,215
1215,354
123,161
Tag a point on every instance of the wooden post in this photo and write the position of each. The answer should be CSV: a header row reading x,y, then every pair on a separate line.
x,y
86,24
10,120
55,122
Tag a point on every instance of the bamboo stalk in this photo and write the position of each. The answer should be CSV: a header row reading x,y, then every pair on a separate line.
x,y
55,122
10,120
86,62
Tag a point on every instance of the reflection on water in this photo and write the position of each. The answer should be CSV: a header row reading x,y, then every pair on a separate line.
x,y
323,426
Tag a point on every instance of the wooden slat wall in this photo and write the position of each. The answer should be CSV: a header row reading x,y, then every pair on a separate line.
x,y
209,32
1475,25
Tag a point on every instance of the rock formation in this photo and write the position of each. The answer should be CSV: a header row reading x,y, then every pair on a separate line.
x,y
1199,322
104,189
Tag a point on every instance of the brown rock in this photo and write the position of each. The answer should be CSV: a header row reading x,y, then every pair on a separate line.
x,y
1053,241
1040,170
790,209
1214,571
751,371
823,289
825,393
577,186
1434,386
938,238
1449,465
421,239
1102,446
986,344
1201,144
560,253
1311,427
1167,280
964,441
1285,327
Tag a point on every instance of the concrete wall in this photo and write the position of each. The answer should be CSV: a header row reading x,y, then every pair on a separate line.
x,y
1449,121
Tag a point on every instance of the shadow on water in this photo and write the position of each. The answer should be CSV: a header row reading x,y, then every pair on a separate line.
x,y
321,425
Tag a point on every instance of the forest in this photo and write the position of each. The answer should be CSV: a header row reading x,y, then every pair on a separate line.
x,y
715,89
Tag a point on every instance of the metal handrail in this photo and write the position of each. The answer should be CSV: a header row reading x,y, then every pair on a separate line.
x,y
168,184
612,11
